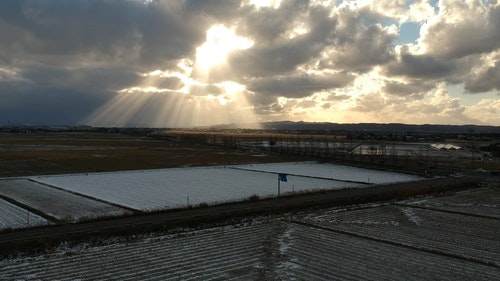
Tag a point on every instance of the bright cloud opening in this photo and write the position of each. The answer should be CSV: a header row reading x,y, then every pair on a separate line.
x,y
220,41
266,3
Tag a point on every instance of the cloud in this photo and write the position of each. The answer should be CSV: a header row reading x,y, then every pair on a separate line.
x,y
67,61
487,111
27,103
204,90
413,89
404,11
50,30
434,106
359,41
88,79
462,28
113,31
299,85
267,25
485,75
419,66
171,83
286,52
372,102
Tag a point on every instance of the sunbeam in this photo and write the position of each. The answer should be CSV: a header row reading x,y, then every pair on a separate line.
x,y
146,109
186,97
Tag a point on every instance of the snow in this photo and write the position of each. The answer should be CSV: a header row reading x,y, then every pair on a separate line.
x,y
274,249
171,188
56,203
327,245
82,196
331,171
411,216
12,216
148,190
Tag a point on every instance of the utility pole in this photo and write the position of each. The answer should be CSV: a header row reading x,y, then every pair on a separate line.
x,y
279,186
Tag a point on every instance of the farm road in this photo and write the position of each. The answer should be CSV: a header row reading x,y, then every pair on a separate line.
x,y
37,236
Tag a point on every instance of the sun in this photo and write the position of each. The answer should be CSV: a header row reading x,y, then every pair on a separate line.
x,y
220,41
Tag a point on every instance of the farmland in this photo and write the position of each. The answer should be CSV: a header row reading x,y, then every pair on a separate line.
x,y
391,241
54,203
25,154
92,188
61,178
77,197
422,229
14,217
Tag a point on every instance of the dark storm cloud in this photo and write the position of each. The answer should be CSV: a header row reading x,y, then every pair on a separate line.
x,y
27,103
478,73
265,61
89,79
66,27
299,86
420,66
169,33
121,31
408,89
69,57
283,54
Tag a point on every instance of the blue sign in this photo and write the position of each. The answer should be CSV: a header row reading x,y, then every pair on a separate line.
x,y
282,177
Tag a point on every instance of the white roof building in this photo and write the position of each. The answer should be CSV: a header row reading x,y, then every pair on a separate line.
x,y
445,146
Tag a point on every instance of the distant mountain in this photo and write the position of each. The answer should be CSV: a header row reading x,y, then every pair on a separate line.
x,y
367,127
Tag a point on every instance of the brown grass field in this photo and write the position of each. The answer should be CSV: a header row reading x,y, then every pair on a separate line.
x,y
23,154
28,154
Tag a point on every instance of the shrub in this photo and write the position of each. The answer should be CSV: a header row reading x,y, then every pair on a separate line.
x,y
254,197
203,205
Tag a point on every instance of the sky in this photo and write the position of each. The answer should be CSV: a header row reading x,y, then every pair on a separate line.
x,y
205,62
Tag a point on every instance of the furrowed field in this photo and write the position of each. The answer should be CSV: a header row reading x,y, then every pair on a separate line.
x,y
374,242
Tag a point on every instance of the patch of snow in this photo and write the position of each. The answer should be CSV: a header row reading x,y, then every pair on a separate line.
x,y
411,216
285,241
371,222
286,263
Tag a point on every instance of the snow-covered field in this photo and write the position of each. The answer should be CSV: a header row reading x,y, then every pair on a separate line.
x,y
330,171
171,188
79,197
13,217
56,203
